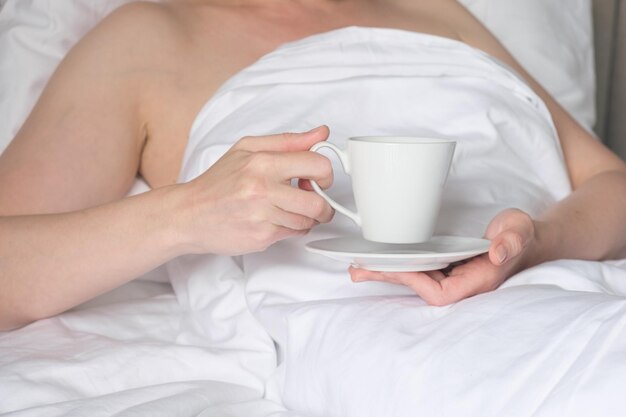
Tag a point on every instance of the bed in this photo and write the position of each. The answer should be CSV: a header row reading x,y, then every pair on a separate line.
x,y
550,342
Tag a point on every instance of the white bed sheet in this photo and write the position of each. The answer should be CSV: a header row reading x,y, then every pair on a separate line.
x,y
119,355
550,342
83,362
133,352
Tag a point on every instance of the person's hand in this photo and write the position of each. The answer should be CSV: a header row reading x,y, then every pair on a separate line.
x,y
513,244
245,202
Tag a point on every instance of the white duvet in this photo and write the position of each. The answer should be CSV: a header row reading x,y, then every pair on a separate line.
x,y
285,332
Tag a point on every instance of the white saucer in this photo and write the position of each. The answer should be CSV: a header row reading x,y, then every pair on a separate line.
x,y
435,254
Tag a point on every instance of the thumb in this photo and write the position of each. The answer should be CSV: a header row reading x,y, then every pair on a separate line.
x,y
505,246
284,142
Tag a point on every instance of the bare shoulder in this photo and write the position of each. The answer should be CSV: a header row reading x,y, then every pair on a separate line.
x,y
147,19
135,32
89,117
448,9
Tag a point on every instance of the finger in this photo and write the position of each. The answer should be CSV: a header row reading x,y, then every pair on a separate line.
x,y
267,234
505,246
305,203
439,275
284,142
281,233
305,184
453,289
469,279
421,283
432,286
362,275
437,292
291,221
509,219
305,165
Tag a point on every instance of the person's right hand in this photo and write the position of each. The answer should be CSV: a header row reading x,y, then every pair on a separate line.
x,y
245,202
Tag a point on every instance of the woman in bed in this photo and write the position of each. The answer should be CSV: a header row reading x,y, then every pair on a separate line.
x,y
121,104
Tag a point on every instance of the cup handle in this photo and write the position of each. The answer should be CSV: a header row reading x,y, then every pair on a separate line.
x,y
346,167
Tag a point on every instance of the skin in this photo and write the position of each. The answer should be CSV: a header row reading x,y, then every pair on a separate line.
x,y
121,104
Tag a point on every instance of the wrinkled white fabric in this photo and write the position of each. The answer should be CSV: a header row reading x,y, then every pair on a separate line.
x,y
550,349
345,349
362,81
130,352
553,40
373,349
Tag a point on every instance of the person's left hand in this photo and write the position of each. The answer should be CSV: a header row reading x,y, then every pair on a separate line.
x,y
513,242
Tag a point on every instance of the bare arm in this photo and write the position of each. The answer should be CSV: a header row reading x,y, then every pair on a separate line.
x,y
244,203
79,148
591,222
49,263
66,232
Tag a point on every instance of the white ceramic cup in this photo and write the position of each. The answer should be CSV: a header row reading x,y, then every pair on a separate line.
x,y
397,184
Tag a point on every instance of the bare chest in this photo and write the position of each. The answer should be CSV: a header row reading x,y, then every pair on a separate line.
x,y
223,43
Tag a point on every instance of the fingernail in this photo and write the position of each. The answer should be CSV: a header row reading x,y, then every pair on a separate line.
x,y
501,254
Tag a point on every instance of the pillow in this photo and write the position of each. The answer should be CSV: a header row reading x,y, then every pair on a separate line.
x,y
34,37
552,41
